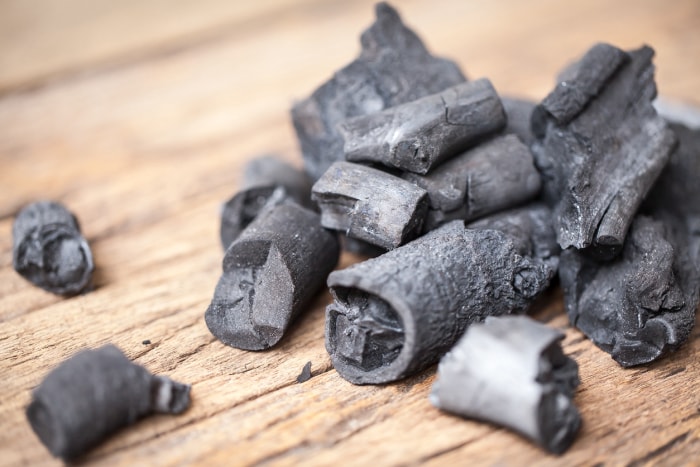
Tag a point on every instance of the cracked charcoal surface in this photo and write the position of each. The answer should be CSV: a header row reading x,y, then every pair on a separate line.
x,y
400,312
267,181
642,305
495,175
600,147
95,393
270,274
370,205
511,371
418,135
393,68
49,250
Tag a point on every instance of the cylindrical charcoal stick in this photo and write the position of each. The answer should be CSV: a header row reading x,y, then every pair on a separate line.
x,y
490,177
511,371
267,181
370,205
49,250
418,135
400,312
270,273
95,393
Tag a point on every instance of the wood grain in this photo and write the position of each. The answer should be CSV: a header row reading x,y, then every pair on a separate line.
x,y
139,114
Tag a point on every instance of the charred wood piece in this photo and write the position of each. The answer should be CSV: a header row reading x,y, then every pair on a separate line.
x,y
270,273
519,113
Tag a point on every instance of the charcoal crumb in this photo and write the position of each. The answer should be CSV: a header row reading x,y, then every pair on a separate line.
x,y
305,374
146,342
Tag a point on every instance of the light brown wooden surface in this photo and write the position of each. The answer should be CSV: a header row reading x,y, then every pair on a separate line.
x,y
138,116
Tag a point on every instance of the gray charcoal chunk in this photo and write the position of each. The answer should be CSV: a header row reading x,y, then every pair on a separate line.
x,y
600,147
495,175
519,114
370,205
267,181
49,250
398,313
270,274
418,135
511,371
305,374
393,68
642,305
95,393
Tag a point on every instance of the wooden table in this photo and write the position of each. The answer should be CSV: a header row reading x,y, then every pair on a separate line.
x,y
138,115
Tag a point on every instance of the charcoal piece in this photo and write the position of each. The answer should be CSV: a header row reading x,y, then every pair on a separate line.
x,y
267,181
270,274
511,371
418,135
519,114
305,374
95,393
600,147
642,305
490,177
370,205
400,312
49,250
393,68
146,342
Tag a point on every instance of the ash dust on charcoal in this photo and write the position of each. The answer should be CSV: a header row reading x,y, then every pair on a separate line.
x,y
469,205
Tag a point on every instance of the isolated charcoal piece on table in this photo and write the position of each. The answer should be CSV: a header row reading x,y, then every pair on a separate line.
x,y
95,393
511,371
400,312
418,135
49,250
370,205
393,68
305,374
642,305
600,147
519,113
495,175
270,274
267,181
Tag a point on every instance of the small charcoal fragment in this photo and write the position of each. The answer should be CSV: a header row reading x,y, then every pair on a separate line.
x,y
95,393
305,374
493,176
642,305
267,181
270,273
370,205
49,250
511,371
400,312
393,68
418,135
600,147
519,113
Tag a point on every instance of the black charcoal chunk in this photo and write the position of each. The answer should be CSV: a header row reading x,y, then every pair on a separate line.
x,y
393,68
305,374
495,175
267,181
600,147
400,312
370,205
49,250
95,393
418,135
146,342
270,274
511,371
642,305
519,113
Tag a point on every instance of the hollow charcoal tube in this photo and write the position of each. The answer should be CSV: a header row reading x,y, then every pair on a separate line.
x,y
511,371
270,273
49,250
418,135
400,312
370,205
95,393
267,181
495,175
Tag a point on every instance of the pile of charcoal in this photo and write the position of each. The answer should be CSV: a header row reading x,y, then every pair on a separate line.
x,y
467,206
